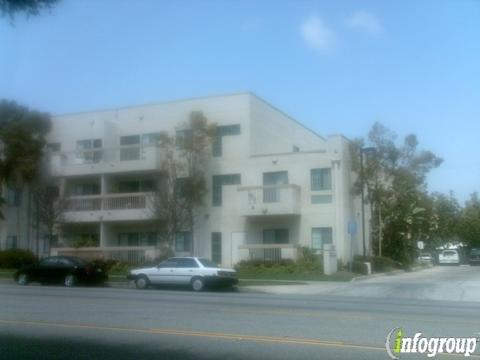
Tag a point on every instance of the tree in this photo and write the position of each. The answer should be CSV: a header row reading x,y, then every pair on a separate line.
x,y
22,141
183,183
470,221
48,208
395,182
29,7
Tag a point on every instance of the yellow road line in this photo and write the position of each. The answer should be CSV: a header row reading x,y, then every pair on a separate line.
x,y
203,334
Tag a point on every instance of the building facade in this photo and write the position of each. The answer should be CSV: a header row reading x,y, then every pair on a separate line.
x,y
273,185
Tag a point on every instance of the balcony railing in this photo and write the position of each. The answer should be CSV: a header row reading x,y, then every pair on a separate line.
x,y
121,158
271,200
268,252
108,202
134,255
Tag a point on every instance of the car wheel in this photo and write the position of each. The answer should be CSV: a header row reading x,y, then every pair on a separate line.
x,y
69,280
197,284
142,282
22,279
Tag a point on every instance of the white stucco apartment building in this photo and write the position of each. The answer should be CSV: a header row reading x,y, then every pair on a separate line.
x,y
274,185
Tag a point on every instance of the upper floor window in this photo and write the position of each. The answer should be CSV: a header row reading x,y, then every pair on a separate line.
x,y
220,132
150,139
321,179
133,186
130,151
14,196
182,138
217,183
88,150
85,189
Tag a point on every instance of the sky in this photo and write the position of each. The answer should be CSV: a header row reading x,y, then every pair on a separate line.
x,y
335,66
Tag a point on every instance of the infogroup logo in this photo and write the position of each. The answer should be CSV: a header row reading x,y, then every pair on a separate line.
x,y
397,343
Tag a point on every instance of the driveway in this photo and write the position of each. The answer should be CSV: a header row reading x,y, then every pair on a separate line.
x,y
450,283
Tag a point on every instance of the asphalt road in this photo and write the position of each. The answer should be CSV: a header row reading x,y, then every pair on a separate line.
x,y
40,322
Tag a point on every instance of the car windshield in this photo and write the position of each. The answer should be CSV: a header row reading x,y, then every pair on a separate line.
x,y
450,252
208,263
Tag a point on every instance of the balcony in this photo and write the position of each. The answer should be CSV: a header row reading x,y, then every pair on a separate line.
x,y
134,255
270,200
111,207
106,160
268,252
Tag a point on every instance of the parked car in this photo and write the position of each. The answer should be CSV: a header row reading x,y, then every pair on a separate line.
x,y
474,258
66,270
195,272
449,257
425,258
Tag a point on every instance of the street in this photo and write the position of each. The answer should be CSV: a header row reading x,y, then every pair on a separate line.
x,y
345,321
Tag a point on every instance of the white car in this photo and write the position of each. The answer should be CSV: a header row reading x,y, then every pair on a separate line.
x,y
449,257
195,272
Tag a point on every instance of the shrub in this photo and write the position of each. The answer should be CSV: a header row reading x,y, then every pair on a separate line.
x,y
16,258
304,265
359,267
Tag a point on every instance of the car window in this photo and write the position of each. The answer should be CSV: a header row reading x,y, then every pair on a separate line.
x,y
450,252
48,262
167,264
187,263
208,263
64,262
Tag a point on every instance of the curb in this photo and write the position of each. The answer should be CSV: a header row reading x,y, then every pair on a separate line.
x,y
390,273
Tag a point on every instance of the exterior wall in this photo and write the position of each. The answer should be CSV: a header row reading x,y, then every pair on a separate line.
x,y
269,141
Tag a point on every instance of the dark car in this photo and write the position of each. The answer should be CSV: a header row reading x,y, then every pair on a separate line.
x,y
66,270
474,258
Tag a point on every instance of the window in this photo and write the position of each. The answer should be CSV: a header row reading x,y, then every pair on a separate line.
x,y
53,147
217,247
321,199
186,263
271,193
221,131
217,146
130,151
11,242
130,140
85,152
183,241
275,236
133,186
181,187
86,189
320,237
207,263
14,196
150,139
183,137
218,181
321,179
137,239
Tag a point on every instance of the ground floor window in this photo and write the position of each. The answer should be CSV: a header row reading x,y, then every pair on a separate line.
x,y
275,236
11,242
183,241
137,239
217,247
321,236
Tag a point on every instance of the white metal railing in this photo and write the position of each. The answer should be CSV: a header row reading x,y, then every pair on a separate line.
x,y
130,254
106,155
270,252
108,202
271,199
